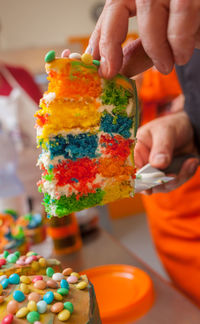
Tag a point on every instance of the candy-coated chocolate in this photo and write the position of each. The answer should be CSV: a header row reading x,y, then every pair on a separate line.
x,y
65,53
5,283
29,259
25,279
64,315
42,306
81,285
43,262
2,262
12,306
87,58
58,296
48,297
37,322
72,279
14,279
19,296
22,312
76,274
96,62
50,56
40,284
1,288
49,272
32,306
58,276
63,291
34,296
64,284
76,56
7,319
57,307
67,271
36,278
52,284
5,254
11,258
17,253
32,317
24,288
20,262
69,306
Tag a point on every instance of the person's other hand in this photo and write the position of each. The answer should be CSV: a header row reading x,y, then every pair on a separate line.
x,y
159,140
169,31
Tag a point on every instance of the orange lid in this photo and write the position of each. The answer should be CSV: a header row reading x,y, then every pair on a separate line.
x,y
123,292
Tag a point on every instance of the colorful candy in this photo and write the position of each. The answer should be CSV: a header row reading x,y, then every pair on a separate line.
x,y
48,297
67,271
12,306
5,283
81,285
69,306
1,288
58,276
87,58
72,279
52,284
40,284
64,284
7,319
43,262
22,312
34,296
25,279
63,291
32,317
36,278
14,279
58,296
24,288
64,315
49,272
32,306
19,296
75,56
11,258
50,56
65,53
42,306
57,307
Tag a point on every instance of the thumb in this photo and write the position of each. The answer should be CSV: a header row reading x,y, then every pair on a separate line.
x,y
162,147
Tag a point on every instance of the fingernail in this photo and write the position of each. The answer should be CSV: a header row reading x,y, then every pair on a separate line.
x,y
192,168
160,159
89,50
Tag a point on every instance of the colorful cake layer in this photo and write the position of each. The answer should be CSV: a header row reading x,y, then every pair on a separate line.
x,y
54,297
86,127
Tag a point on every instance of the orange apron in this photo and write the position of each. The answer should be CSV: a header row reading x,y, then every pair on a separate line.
x,y
174,217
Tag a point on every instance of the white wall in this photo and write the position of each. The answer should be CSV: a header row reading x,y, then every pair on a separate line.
x,y
27,23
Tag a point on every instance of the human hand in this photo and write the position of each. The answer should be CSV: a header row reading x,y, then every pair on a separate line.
x,y
169,31
159,140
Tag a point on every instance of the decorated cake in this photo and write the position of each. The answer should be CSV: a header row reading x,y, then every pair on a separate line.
x,y
54,297
86,127
12,236
34,227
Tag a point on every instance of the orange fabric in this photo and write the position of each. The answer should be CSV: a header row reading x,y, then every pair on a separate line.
x,y
174,217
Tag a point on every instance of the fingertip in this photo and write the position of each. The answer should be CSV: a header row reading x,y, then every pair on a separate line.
x,y
159,160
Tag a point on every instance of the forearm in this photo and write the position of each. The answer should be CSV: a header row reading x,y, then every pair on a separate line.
x,y
189,77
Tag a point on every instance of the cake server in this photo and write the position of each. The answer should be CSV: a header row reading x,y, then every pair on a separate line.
x,y
148,177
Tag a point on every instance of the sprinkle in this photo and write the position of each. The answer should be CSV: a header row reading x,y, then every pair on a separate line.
x,y
50,56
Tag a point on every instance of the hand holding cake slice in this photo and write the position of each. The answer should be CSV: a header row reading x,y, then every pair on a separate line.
x,y
86,127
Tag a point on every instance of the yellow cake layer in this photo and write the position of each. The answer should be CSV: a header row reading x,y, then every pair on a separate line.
x,y
64,115
115,190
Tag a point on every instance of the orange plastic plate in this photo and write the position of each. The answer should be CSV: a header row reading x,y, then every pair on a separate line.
x,y
124,293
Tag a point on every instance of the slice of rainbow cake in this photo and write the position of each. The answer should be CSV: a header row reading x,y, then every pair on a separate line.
x,y
86,127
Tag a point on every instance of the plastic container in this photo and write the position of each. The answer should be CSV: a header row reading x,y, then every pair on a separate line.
x,y
12,193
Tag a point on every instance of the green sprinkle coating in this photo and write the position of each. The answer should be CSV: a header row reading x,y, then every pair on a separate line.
x,y
49,272
63,291
69,306
96,62
50,56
